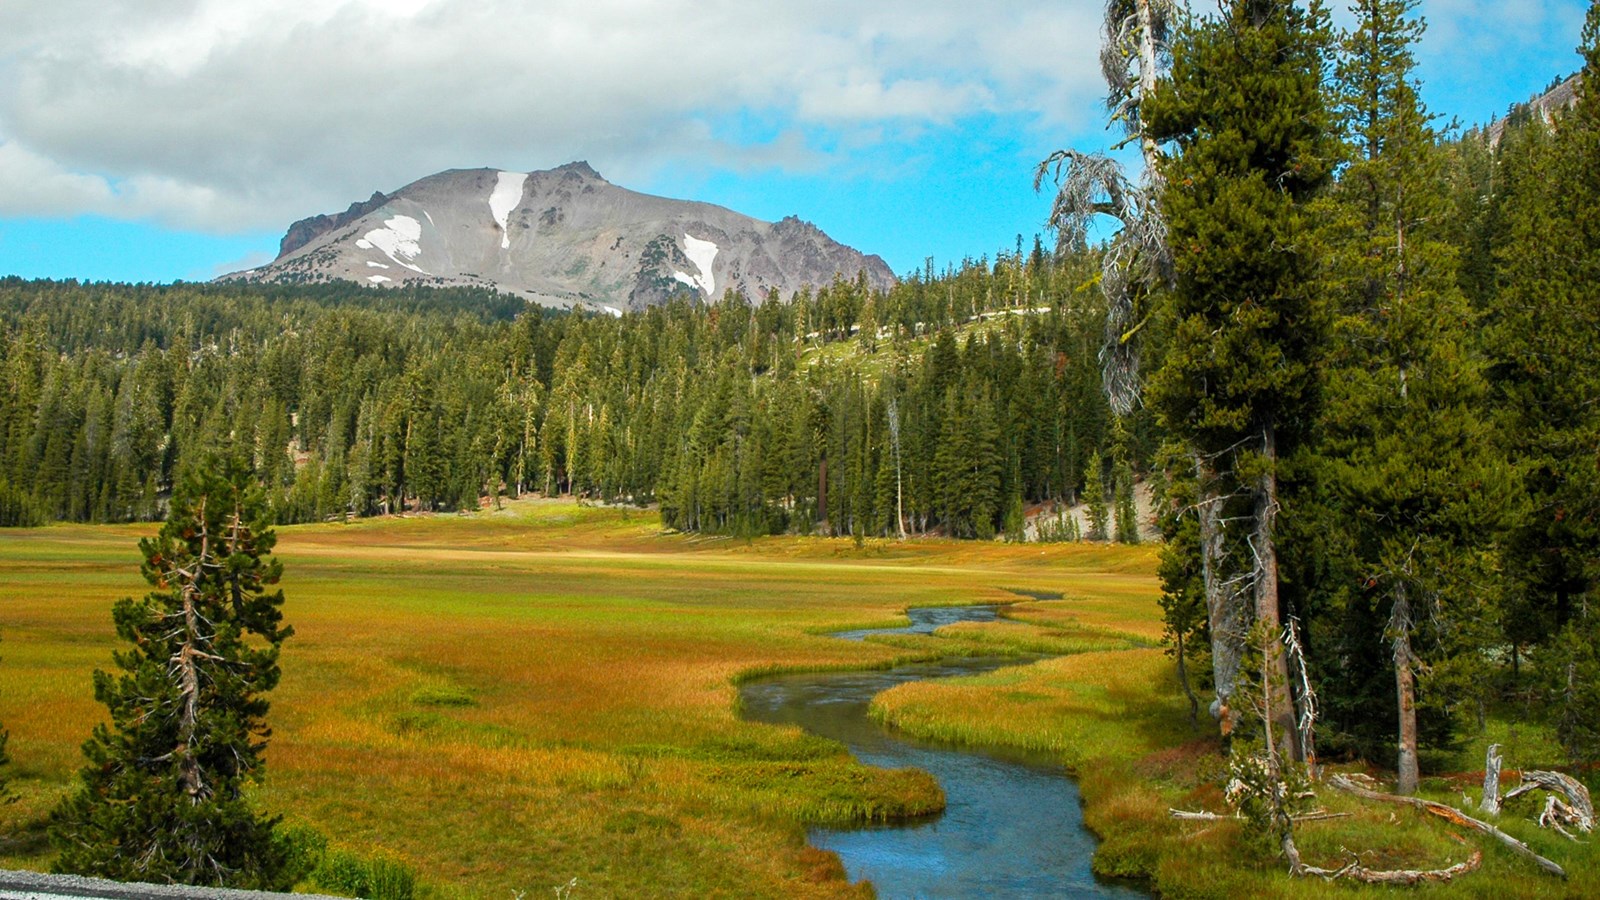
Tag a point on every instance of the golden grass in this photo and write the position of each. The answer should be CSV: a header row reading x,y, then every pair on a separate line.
x,y
512,699
1119,721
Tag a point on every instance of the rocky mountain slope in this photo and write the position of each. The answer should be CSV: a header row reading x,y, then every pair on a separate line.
x,y
1547,106
563,237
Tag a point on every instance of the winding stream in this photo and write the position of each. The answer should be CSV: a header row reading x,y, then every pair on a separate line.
x,y
1013,825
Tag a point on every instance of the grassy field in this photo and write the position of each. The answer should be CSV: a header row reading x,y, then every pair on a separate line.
x,y
507,701
1118,721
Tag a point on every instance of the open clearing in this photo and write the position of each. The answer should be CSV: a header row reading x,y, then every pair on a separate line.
x,y
507,701
510,700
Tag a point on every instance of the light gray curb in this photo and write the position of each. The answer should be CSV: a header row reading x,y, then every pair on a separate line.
x,y
38,886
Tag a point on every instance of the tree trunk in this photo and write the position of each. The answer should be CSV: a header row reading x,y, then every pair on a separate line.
x,y
1280,705
899,493
1406,775
1491,781
1224,612
185,667
822,490
1183,679
899,501
1148,71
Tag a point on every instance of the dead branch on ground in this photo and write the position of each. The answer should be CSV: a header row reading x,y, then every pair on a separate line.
x,y
1355,870
1449,814
1568,805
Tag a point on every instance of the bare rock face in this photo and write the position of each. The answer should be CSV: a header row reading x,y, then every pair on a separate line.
x,y
305,231
563,237
1547,107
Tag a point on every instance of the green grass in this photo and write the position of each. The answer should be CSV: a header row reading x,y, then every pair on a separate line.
x,y
1119,721
477,706
507,701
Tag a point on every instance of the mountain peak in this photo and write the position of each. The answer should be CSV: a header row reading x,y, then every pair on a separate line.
x,y
561,237
581,167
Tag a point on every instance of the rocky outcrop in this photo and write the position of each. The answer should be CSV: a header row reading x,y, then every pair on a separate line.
x,y
1546,107
16,885
305,231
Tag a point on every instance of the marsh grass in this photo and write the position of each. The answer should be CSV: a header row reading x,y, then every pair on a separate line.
x,y
505,702
1118,720
513,699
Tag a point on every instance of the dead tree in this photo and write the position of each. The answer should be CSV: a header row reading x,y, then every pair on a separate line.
x,y
1132,54
1491,781
1568,805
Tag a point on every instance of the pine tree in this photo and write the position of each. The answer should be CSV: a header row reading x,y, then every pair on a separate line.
x,y
1094,499
161,799
1127,507
1245,115
1546,376
1183,606
1409,455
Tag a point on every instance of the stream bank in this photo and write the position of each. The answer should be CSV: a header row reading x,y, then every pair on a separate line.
x,y
1013,824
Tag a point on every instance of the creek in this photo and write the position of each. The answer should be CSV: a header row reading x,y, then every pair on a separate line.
x,y
1013,822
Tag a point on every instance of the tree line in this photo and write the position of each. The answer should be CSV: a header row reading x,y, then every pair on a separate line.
x,y
947,405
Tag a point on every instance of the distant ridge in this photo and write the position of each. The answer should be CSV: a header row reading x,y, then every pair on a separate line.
x,y
561,237
1546,107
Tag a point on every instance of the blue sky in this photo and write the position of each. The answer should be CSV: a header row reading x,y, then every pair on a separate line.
x,y
177,139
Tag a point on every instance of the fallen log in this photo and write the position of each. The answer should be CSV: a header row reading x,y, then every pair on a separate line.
x,y
1449,814
1577,810
1355,870
1203,816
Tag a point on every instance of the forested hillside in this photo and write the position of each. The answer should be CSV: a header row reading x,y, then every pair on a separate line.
x,y
943,405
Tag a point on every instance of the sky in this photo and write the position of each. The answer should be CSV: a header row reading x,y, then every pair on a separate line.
x,y
162,140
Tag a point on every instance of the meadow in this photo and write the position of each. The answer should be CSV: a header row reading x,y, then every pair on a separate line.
x,y
1114,721
506,701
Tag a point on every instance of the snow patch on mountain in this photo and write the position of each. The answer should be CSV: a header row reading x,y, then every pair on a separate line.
x,y
503,199
702,254
596,244
399,237
378,279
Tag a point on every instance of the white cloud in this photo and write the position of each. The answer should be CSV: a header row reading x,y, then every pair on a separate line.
x,y
247,114
35,185
228,114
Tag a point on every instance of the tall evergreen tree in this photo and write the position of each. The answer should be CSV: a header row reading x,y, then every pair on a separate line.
x,y
161,799
1547,377
1245,114
1414,480
1096,513
1183,601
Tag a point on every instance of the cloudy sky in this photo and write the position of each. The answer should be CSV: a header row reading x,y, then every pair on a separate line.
x,y
153,140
